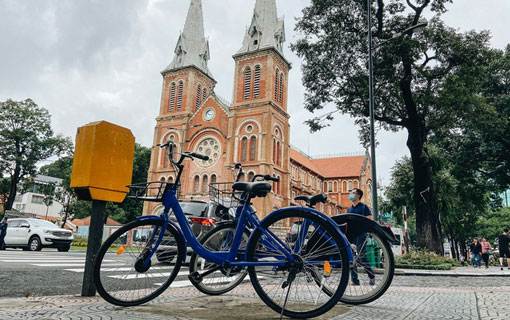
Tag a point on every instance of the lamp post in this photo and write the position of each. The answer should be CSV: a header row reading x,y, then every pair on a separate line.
x,y
371,99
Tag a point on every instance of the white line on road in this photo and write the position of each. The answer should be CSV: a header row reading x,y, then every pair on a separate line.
x,y
116,269
70,264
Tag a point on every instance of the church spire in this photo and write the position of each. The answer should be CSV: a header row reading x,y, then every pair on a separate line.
x,y
192,48
265,30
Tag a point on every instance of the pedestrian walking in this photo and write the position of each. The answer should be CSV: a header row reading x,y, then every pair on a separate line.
x,y
360,242
476,252
486,251
3,232
504,251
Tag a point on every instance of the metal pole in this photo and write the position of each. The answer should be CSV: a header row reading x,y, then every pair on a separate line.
x,y
93,244
371,107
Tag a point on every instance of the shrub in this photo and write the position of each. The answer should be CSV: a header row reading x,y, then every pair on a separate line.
x,y
422,259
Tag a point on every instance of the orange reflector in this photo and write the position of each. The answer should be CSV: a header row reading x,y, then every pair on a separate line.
x,y
327,268
121,250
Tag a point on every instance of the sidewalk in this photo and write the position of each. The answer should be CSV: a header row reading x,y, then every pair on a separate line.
x,y
467,271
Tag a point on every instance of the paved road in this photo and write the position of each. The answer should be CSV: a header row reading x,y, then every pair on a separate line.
x,y
50,272
409,297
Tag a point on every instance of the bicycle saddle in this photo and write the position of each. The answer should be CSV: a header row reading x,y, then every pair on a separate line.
x,y
254,189
313,200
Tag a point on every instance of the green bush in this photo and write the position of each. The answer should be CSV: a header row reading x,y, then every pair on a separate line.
x,y
80,241
422,259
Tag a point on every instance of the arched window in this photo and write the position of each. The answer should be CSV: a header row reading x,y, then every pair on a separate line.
x,y
162,179
274,151
244,149
344,186
277,152
204,94
213,178
247,83
253,147
356,184
172,97
349,185
276,85
256,82
281,87
179,95
204,183
170,179
196,184
250,176
330,186
335,187
199,92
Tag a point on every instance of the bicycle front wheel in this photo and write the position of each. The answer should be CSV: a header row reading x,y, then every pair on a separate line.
x,y
224,279
121,275
290,287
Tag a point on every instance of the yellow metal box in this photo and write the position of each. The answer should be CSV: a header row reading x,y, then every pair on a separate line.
x,y
103,162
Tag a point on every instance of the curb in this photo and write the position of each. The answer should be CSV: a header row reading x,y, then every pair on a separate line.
x,y
425,273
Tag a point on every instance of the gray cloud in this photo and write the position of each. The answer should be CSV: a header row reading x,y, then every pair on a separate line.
x,y
88,60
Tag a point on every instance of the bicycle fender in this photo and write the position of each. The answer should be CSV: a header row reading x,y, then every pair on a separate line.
x,y
322,215
171,225
355,222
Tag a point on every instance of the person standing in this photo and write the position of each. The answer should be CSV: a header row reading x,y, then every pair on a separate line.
x,y
476,251
504,250
361,241
3,232
486,247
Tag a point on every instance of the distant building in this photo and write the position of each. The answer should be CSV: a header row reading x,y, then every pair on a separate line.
x,y
505,196
32,201
253,129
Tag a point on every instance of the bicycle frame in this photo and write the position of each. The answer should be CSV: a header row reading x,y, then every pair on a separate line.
x,y
244,216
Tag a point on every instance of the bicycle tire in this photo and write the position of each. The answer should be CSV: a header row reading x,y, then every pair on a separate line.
x,y
116,289
305,293
218,282
363,292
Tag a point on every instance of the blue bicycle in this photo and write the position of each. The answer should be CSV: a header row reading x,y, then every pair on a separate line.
x,y
289,274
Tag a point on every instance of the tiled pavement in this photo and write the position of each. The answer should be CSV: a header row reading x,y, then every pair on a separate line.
x,y
400,302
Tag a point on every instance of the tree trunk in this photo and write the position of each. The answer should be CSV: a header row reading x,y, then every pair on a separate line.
x,y
13,188
428,226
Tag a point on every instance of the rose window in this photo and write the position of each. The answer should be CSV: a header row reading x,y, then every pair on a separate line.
x,y
209,147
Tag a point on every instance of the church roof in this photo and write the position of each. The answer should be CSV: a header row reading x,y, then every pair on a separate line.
x,y
192,49
331,167
265,30
340,166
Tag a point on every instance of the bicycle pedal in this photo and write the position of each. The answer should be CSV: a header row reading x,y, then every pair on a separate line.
x,y
195,277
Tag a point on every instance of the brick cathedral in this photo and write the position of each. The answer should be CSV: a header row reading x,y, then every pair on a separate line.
x,y
254,129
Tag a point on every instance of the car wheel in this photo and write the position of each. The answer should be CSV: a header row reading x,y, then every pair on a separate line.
x,y
64,248
34,244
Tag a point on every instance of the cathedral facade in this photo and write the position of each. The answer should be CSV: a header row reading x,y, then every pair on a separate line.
x,y
253,130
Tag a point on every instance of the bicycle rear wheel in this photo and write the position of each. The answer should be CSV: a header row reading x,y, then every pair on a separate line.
x,y
224,279
120,275
291,288
372,270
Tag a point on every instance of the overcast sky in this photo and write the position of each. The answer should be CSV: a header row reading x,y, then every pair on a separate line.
x,y
89,60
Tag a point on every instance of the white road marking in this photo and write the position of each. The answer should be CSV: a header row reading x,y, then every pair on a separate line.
x,y
115,269
69,264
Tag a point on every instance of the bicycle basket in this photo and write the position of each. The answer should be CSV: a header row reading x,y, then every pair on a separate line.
x,y
223,194
148,191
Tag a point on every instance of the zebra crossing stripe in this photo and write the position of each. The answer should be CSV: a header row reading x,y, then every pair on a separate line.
x,y
115,269
69,264
146,275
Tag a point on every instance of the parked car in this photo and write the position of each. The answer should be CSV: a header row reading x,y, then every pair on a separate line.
x,y
35,234
292,234
202,217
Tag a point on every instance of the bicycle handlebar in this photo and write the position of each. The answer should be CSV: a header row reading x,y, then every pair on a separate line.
x,y
199,156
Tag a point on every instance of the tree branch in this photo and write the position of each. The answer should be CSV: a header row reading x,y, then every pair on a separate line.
x,y
411,5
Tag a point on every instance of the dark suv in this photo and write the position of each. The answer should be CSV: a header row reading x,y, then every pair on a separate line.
x,y
202,217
